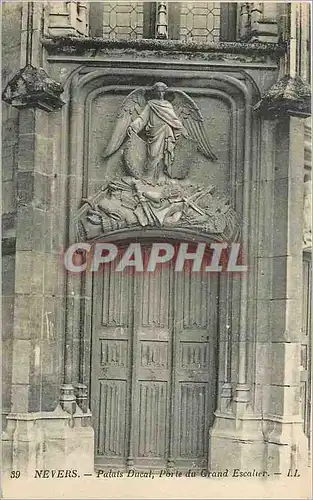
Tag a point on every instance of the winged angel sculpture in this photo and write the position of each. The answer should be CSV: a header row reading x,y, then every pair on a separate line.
x,y
160,124
150,196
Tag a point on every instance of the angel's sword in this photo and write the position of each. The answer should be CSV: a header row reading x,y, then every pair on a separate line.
x,y
191,204
145,206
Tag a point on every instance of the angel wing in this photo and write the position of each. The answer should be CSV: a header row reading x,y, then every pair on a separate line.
x,y
131,107
192,119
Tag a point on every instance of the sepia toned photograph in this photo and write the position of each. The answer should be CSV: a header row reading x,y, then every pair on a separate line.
x,y
156,249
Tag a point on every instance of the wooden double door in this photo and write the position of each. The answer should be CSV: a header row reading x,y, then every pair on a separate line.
x,y
153,367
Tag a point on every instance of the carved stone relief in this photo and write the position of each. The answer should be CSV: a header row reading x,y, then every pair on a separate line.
x,y
149,125
154,126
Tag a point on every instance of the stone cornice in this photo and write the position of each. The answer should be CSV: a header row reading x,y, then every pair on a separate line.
x,y
83,46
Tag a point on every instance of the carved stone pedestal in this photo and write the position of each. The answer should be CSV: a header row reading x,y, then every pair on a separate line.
x,y
237,441
48,440
246,441
286,445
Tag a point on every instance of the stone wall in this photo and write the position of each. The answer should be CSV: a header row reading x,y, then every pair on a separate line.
x,y
31,238
11,53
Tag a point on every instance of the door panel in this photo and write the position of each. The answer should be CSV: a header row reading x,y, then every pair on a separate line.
x,y
111,365
116,297
152,420
153,332
111,431
192,426
154,291
153,367
195,332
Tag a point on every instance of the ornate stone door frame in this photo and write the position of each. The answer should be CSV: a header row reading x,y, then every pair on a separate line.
x,y
240,93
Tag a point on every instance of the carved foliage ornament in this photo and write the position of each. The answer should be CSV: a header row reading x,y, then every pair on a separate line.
x,y
148,128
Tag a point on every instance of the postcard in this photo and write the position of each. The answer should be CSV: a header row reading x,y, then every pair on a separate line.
x,y
156,249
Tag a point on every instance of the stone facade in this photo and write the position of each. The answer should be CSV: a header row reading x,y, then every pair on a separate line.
x,y
66,71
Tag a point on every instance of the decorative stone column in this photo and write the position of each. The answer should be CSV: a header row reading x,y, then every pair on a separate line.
x,y
287,446
287,102
243,25
238,426
33,93
161,20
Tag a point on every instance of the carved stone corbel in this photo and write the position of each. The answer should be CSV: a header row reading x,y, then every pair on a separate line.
x,y
289,96
32,87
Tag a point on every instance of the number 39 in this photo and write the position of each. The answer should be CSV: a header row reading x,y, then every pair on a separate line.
x,y
15,474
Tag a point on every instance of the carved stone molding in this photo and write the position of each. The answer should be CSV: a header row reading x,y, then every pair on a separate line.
x,y
32,87
289,96
74,45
